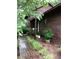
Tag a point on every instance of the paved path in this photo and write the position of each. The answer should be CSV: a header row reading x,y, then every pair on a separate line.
x,y
23,47
26,52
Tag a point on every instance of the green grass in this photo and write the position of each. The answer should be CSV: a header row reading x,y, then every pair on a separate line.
x,y
39,48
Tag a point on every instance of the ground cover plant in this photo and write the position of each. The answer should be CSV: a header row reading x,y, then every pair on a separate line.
x,y
39,48
48,33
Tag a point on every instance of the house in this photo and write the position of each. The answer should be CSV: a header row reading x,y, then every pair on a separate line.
x,y
52,19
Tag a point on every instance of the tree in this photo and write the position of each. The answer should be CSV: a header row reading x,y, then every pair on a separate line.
x,y
28,8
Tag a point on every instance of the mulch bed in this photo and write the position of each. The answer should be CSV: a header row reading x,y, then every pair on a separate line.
x,y
53,49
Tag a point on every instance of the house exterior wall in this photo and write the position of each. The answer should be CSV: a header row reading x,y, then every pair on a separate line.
x,y
55,24
53,20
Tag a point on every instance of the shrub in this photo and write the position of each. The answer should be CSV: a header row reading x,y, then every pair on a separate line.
x,y
48,33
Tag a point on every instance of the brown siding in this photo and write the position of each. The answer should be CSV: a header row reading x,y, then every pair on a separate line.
x,y
54,22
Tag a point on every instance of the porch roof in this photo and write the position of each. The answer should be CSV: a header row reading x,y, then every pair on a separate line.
x,y
44,10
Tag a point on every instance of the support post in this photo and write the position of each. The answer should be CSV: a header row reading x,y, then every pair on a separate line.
x,y
38,26
35,25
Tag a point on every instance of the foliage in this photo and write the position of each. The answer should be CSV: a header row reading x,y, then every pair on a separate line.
x,y
39,48
38,33
55,2
28,8
48,33
35,44
48,56
43,51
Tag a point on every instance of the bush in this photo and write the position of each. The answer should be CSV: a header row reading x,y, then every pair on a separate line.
x,y
48,33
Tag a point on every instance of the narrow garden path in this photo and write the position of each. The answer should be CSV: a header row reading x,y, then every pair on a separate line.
x,y
26,52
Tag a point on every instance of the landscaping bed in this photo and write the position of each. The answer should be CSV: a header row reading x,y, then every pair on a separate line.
x,y
37,47
42,50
